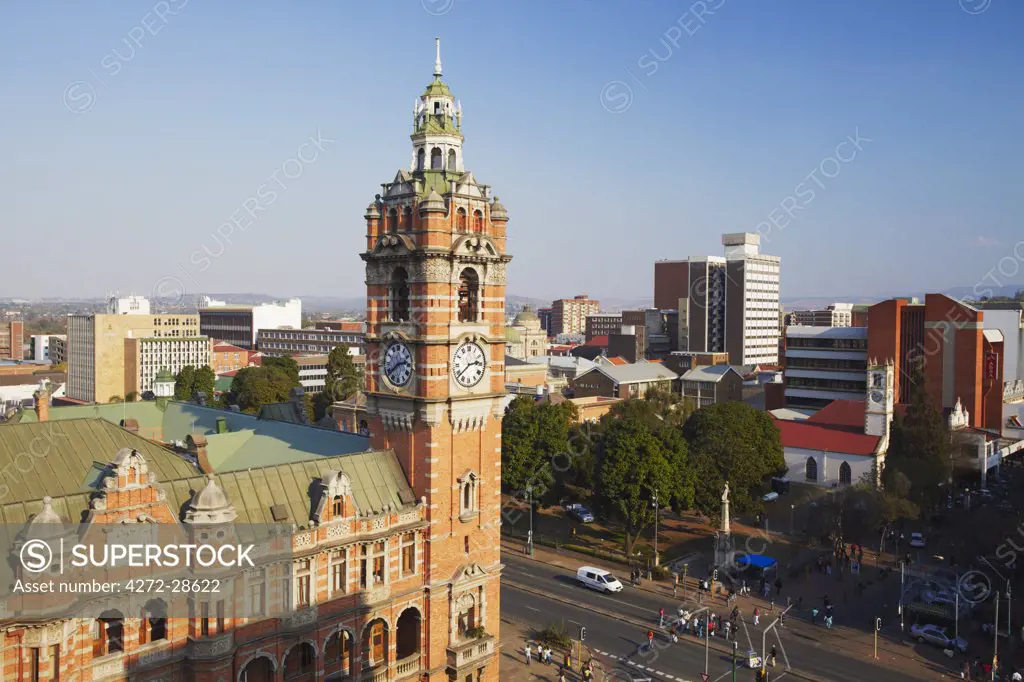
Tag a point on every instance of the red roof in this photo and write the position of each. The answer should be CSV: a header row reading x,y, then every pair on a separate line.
x,y
837,427
618,360
229,373
601,341
225,347
845,413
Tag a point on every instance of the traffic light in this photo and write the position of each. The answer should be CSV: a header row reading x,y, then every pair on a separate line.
x,y
714,575
583,633
878,624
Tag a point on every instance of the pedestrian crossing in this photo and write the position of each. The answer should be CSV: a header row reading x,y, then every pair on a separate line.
x,y
661,675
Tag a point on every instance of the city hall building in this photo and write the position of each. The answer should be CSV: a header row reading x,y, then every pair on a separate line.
x,y
393,567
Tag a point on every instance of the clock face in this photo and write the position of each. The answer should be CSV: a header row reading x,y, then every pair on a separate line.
x,y
398,364
468,364
877,397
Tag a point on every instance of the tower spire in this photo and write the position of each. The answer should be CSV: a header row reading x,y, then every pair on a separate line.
x,y
437,59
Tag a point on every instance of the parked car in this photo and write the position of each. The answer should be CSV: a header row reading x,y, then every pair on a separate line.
x,y
598,579
939,597
939,636
770,497
580,513
916,540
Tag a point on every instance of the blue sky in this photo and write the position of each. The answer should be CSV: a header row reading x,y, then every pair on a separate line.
x,y
616,133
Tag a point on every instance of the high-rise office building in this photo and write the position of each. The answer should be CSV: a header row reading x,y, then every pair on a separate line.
x,y
728,303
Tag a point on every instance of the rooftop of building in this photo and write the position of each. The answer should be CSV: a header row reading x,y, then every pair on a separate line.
x,y
80,453
808,331
634,373
710,373
249,441
225,347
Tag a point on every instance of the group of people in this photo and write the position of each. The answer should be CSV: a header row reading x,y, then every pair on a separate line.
x,y
546,655
827,603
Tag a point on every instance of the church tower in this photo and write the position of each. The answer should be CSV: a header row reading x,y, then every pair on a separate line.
x,y
435,382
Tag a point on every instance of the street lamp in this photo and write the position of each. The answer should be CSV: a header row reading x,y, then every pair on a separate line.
x,y
764,639
792,511
529,537
655,503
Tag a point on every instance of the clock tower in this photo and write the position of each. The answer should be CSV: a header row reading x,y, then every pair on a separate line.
x,y
435,382
878,410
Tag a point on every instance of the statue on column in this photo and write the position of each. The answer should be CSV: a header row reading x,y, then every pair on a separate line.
x,y
723,538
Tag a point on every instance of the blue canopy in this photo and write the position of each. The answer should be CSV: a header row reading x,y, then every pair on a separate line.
x,y
756,560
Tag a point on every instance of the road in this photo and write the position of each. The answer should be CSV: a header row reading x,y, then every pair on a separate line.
x,y
619,643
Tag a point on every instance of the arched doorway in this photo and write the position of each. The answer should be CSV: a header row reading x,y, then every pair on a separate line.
x,y
375,644
300,663
259,669
407,641
845,474
339,654
811,469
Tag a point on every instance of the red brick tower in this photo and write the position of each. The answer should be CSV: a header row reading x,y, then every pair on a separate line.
x,y
435,275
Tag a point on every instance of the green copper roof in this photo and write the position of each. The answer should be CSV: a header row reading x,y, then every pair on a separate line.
x,y
437,88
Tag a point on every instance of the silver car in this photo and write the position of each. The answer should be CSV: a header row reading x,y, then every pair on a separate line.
x,y
939,636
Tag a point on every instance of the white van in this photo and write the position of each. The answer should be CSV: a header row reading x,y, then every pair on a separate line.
x,y
598,579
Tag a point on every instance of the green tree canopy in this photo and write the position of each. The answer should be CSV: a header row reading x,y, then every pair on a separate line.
x,y
735,442
204,380
919,447
534,443
184,383
635,464
254,387
286,364
344,377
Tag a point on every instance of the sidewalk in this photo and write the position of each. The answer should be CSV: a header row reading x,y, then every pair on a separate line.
x,y
512,665
850,634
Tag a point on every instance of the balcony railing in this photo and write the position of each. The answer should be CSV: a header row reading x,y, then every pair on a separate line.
x,y
407,666
470,651
378,673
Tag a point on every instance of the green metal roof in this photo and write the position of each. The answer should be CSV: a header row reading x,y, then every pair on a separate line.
x,y
64,461
437,88
77,452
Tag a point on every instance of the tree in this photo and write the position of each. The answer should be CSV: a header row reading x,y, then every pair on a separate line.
x,y
671,406
534,444
131,397
204,380
184,382
735,442
286,364
919,447
253,387
343,376
635,466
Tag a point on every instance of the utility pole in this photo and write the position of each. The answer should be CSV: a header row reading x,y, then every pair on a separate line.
x,y
707,639
655,527
995,640
1009,625
686,572
529,538
792,512
903,565
956,612
764,641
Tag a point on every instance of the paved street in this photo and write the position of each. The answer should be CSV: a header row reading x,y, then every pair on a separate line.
x,y
814,655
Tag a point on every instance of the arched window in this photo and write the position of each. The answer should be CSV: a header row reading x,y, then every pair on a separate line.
x,y
466,615
478,221
451,159
845,474
436,159
300,661
392,225
468,495
338,507
461,220
811,469
153,627
108,634
398,295
407,218
469,295
421,157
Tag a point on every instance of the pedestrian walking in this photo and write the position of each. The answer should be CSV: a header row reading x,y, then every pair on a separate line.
x,y
650,639
528,653
561,676
814,616
568,661
675,584
757,615
771,656
661,617
771,606
782,619
728,629
828,622
549,657
778,587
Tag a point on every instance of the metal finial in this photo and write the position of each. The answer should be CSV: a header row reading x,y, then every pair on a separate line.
x,y
437,59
